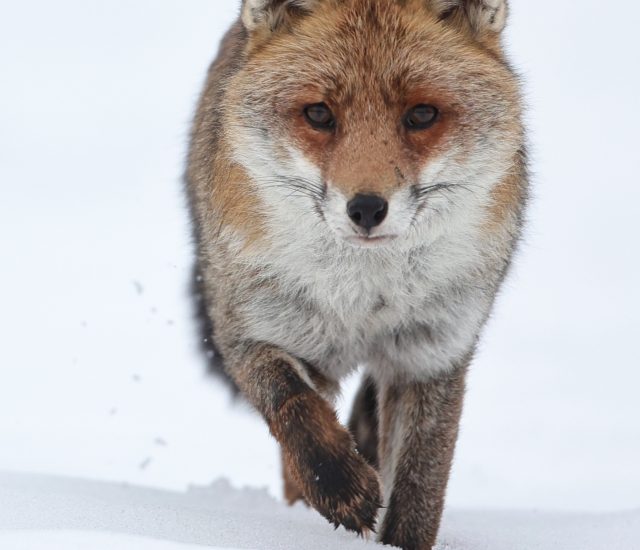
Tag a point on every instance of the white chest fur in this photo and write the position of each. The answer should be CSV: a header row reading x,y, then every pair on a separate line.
x,y
405,311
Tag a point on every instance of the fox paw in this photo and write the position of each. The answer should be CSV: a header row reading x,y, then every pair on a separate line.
x,y
345,490
320,457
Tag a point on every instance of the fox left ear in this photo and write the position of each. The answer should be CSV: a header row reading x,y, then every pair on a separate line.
x,y
483,16
271,14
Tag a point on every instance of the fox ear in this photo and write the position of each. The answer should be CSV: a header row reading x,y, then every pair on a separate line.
x,y
484,16
271,14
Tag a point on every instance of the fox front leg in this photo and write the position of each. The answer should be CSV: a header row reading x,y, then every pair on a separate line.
x,y
319,454
418,431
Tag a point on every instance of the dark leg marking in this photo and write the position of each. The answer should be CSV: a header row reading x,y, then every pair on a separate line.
x,y
363,423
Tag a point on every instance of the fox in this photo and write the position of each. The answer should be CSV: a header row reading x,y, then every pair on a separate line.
x,y
357,177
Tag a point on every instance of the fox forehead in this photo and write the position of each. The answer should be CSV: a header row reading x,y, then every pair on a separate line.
x,y
386,49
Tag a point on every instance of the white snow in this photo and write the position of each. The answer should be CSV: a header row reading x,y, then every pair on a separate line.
x,y
100,378
41,512
81,540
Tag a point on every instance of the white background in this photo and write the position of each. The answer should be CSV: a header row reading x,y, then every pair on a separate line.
x,y
100,376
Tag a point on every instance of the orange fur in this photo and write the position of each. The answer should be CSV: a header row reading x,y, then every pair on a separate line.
x,y
233,198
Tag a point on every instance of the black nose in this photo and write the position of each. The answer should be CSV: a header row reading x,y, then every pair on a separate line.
x,y
368,210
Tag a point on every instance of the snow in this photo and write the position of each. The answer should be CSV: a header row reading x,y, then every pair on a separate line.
x,y
42,512
79,540
100,375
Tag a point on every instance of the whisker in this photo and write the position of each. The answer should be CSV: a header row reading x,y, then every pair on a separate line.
x,y
444,186
447,190
302,185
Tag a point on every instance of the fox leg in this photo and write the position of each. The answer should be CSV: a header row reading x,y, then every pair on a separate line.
x,y
363,423
319,454
418,431
292,491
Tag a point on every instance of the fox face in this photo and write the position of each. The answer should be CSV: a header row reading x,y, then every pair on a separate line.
x,y
379,119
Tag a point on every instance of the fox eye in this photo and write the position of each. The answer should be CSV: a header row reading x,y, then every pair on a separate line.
x,y
319,116
421,117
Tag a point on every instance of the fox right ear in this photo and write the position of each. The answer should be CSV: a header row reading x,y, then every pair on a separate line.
x,y
485,17
271,14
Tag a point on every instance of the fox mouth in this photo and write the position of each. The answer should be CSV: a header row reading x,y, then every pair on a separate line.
x,y
370,241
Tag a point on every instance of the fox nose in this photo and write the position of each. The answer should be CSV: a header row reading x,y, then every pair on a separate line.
x,y
367,211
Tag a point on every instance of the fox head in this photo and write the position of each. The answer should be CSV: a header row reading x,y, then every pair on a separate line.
x,y
382,120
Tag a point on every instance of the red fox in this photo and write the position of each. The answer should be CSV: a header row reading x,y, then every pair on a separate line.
x,y
357,177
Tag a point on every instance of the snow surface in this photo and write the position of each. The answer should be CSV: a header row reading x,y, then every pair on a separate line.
x,y
46,512
100,375
81,540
